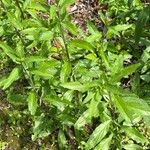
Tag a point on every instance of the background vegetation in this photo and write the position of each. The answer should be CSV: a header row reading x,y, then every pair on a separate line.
x,y
62,88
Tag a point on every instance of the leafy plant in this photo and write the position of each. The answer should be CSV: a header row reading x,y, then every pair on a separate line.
x,y
74,90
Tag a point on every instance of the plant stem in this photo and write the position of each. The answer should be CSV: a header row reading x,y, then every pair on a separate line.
x,y
66,53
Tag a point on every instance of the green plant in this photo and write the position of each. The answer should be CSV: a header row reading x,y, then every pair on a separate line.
x,y
85,91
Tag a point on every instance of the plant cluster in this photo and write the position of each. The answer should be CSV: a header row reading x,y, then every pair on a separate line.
x,y
68,89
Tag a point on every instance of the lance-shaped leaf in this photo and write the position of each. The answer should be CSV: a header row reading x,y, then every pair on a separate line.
x,y
82,44
80,87
65,72
131,106
75,86
132,147
65,3
82,120
135,134
141,22
124,72
14,75
34,59
104,144
97,135
55,100
137,105
123,108
9,52
62,139
32,103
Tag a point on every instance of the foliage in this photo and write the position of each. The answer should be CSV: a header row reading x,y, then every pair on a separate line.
x,y
67,89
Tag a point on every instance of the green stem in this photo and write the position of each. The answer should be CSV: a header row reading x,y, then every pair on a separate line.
x,y
66,52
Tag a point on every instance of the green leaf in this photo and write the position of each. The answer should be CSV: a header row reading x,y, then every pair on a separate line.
x,y
8,51
65,72
75,86
55,100
135,84
39,6
82,44
135,134
93,106
43,126
102,49
82,120
123,108
104,144
131,106
132,147
26,4
92,28
124,72
97,135
115,30
117,90
2,81
62,139
20,50
71,27
32,102
130,3
92,111
14,75
65,3
137,105
146,55
3,145
42,74
15,21
146,77
47,69
17,99
53,12
141,22
46,36
34,59
91,56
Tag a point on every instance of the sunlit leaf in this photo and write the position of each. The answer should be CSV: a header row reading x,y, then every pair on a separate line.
x,y
137,105
124,72
115,30
82,120
70,27
34,59
14,75
46,36
32,102
75,86
123,108
105,143
65,72
61,139
64,3
135,134
9,51
97,135
132,147
82,44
